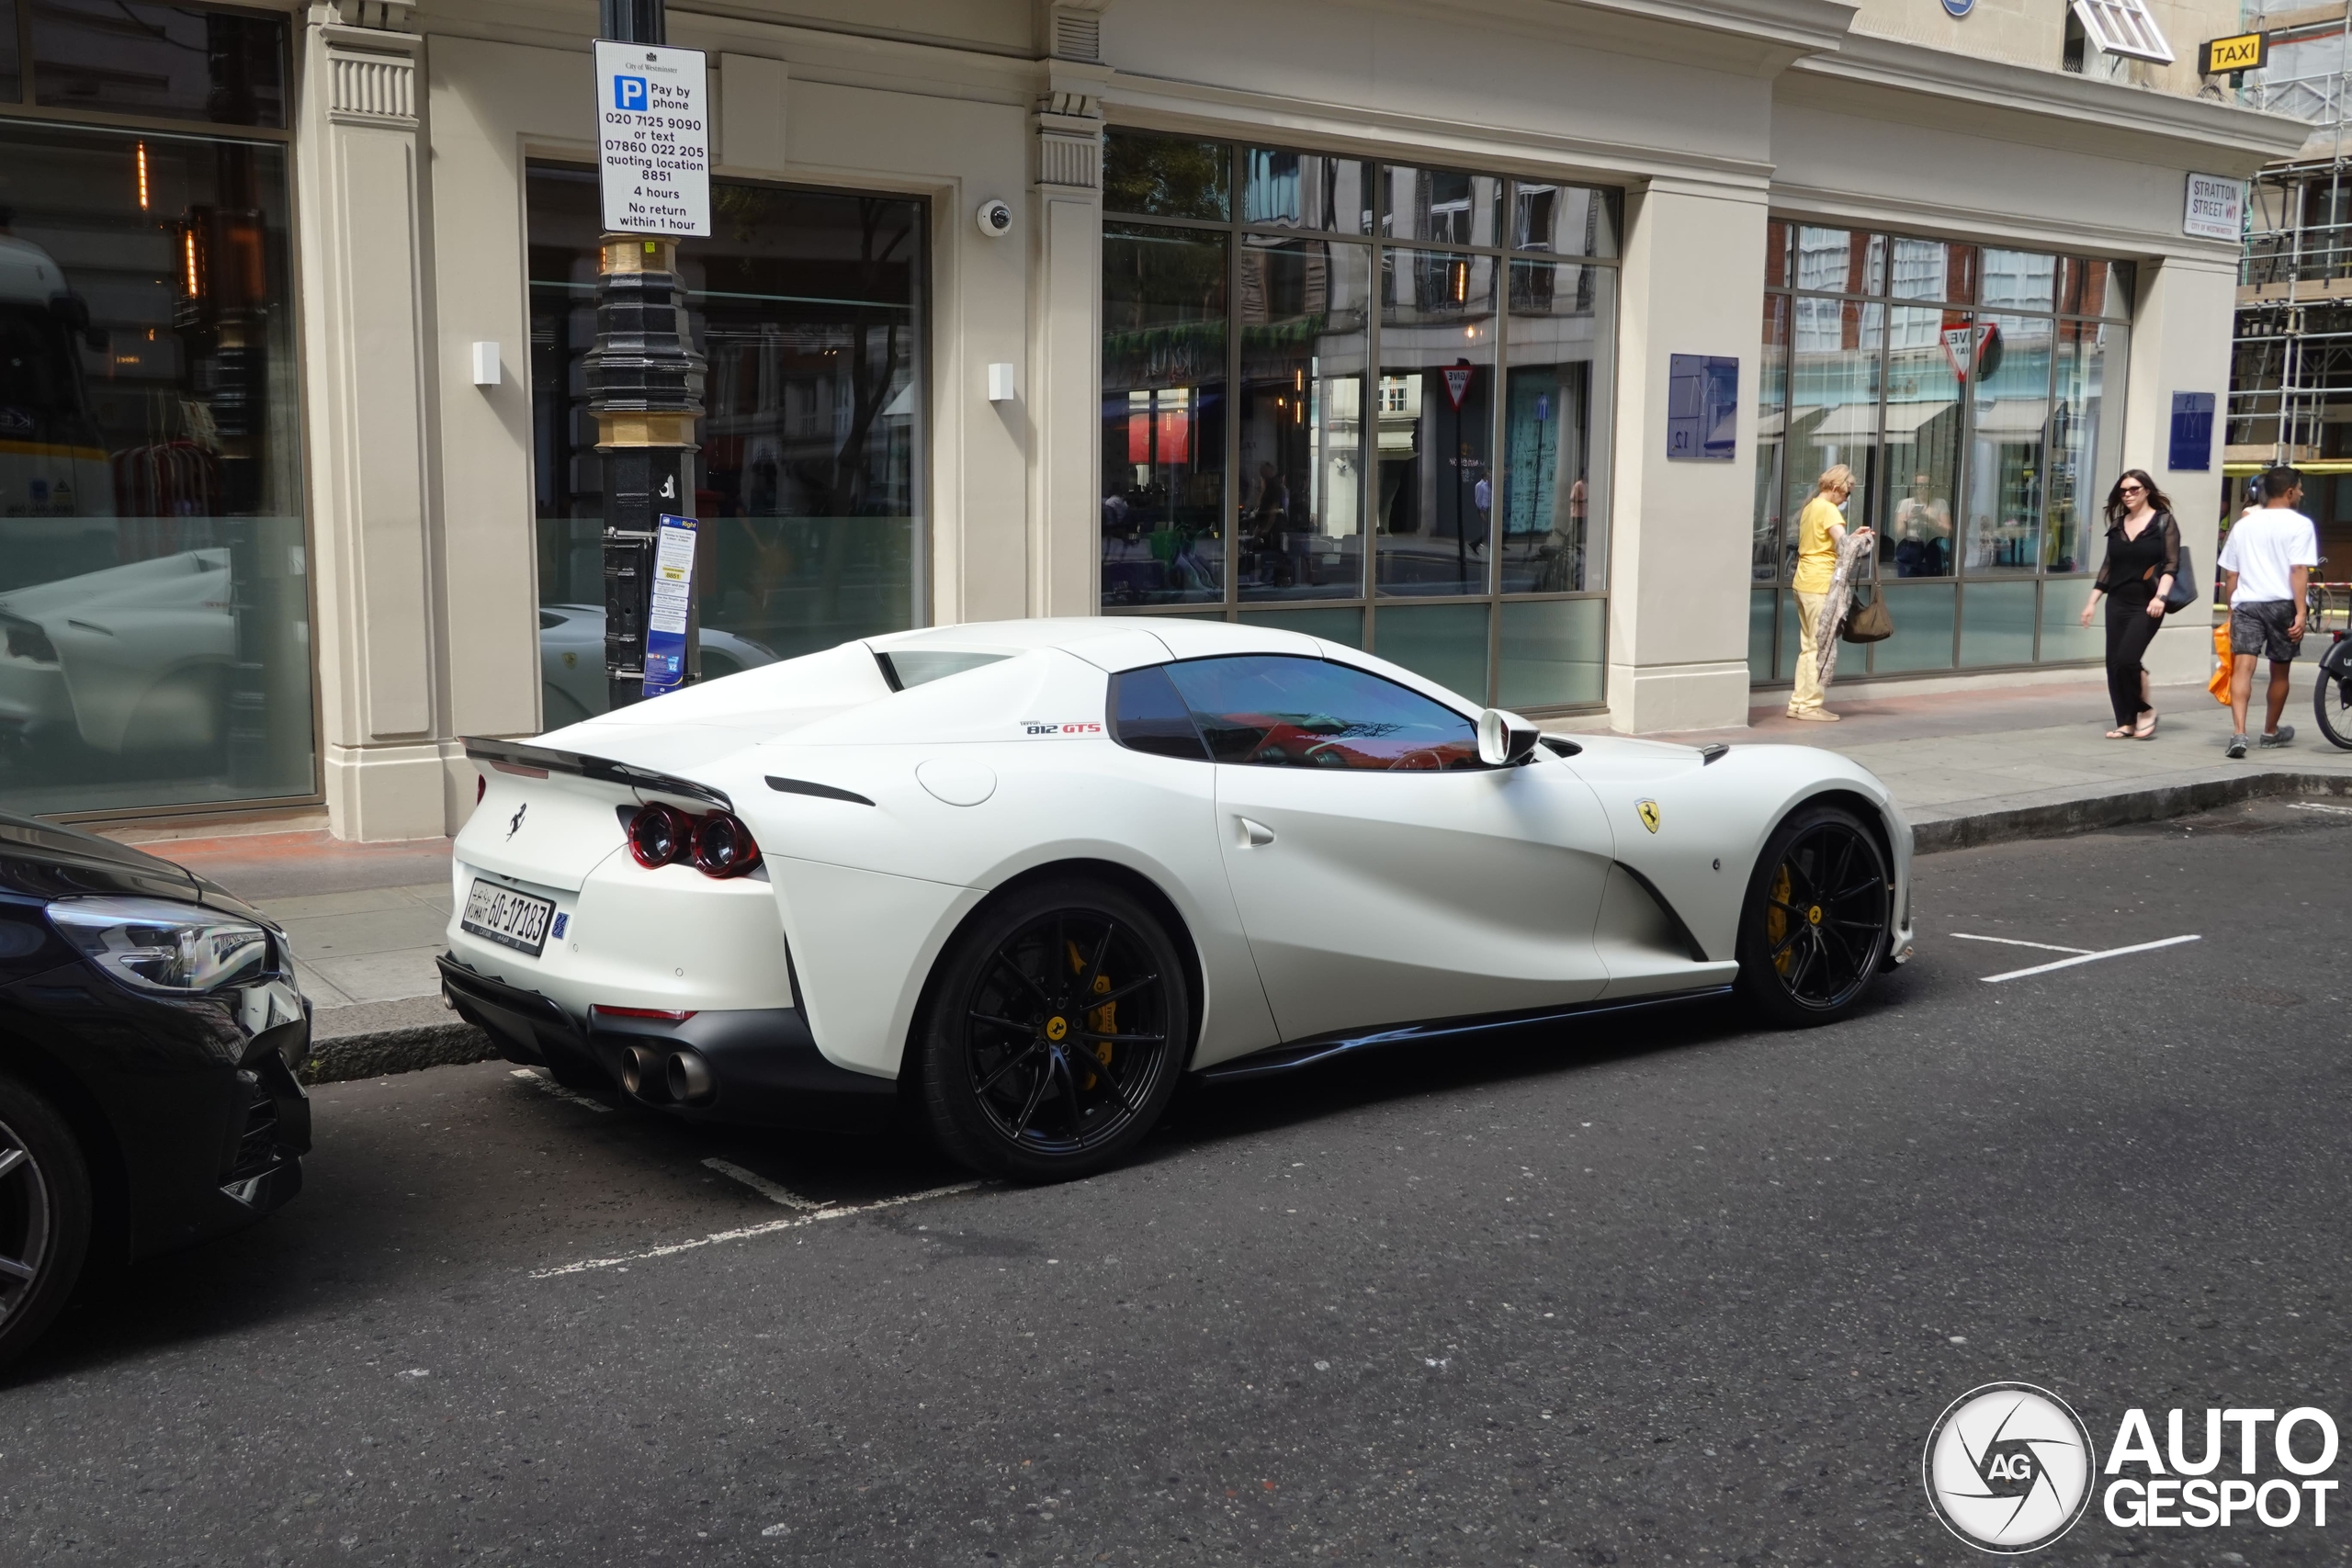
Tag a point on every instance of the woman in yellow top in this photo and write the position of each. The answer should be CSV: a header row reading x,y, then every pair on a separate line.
x,y
1821,531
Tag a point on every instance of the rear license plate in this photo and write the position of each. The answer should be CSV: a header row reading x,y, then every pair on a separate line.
x,y
514,920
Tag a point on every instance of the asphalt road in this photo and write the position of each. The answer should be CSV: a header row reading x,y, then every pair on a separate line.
x,y
1660,1290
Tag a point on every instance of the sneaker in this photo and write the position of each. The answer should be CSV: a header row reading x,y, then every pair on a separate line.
x,y
2236,748
1816,715
2284,736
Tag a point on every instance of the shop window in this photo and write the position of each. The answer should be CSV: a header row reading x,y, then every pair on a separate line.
x,y
808,309
154,583
140,57
1974,406
1418,357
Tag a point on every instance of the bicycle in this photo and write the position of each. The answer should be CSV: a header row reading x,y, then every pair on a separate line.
x,y
2332,694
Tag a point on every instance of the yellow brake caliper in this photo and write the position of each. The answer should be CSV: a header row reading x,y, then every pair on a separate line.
x,y
1776,921
1104,1019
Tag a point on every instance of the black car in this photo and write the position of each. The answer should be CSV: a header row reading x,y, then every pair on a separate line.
x,y
150,1028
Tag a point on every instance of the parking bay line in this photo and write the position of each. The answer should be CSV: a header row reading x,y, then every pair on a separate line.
x,y
2013,941
548,1086
2313,806
747,1232
769,1190
2088,958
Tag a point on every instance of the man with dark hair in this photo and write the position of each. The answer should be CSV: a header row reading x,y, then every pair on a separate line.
x,y
2266,565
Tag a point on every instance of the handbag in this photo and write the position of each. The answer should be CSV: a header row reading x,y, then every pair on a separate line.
x,y
2183,591
1868,623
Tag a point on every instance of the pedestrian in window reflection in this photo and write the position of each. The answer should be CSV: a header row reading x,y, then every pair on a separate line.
x,y
2142,557
1821,534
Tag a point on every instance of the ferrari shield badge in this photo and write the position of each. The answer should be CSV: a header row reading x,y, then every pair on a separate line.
x,y
1648,808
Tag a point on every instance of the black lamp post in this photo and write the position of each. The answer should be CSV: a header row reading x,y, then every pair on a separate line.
x,y
644,383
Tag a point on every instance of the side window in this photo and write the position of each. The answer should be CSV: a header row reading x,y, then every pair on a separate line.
x,y
1282,712
1147,716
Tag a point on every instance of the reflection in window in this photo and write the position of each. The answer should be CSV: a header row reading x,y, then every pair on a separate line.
x,y
1440,205
807,308
1305,312
2006,453
1306,190
1772,441
1567,220
1923,440
140,57
1436,499
1555,420
1833,403
2083,445
1159,176
1163,414
2026,279
1838,261
1932,269
1307,713
151,545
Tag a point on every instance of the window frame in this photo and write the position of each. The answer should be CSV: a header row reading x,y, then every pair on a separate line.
x,y
1208,755
1367,600
1781,284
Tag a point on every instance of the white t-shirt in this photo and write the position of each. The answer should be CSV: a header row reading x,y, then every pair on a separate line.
x,y
2262,547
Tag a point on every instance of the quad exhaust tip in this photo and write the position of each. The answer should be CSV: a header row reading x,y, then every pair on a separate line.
x,y
640,1070
689,1077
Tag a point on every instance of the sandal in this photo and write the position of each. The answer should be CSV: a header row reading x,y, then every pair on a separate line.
x,y
2150,732
2119,734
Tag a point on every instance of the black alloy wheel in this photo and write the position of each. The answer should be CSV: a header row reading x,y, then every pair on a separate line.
x,y
1058,1030
1815,927
2332,707
44,1216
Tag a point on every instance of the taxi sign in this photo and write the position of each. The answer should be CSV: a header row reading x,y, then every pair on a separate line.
x,y
2244,52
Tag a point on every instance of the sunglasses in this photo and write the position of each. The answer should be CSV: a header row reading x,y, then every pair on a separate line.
x,y
2130,490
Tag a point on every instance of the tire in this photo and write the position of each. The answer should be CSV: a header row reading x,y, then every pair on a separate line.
x,y
2331,705
1002,1087
44,1216
1814,927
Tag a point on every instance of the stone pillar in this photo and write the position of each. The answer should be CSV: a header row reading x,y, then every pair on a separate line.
x,y
365,361
1062,400
2180,342
1679,578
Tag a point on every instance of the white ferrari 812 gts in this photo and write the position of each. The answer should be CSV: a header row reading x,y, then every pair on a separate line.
x,y
1021,877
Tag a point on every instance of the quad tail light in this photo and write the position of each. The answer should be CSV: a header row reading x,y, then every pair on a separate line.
x,y
716,845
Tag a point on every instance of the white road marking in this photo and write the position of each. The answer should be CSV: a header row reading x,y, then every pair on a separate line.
x,y
2311,806
747,1232
761,1185
2012,941
2089,958
548,1086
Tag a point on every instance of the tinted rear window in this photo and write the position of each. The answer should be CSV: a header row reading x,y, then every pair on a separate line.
x,y
1147,716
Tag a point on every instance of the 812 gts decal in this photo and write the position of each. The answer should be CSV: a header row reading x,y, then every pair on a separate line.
x,y
1039,729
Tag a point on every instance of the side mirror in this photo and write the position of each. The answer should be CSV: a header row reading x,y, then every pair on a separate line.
x,y
1505,739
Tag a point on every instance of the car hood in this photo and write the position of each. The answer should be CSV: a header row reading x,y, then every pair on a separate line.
x,y
43,860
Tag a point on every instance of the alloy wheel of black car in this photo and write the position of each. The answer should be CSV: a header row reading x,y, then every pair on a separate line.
x,y
1816,929
44,1216
1057,1033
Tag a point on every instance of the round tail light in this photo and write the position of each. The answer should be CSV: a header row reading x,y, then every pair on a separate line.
x,y
723,846
660,835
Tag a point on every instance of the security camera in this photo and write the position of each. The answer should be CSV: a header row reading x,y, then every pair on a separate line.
x,y
995,219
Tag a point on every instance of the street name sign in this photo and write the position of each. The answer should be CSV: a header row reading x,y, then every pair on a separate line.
x,y
653,139
2216,208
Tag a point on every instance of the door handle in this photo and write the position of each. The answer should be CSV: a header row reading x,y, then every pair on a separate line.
x,y
1254,835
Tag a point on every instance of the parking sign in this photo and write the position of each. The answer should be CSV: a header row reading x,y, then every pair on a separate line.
x,y
653,139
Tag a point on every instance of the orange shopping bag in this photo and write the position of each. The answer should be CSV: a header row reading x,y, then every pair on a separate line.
x,y
2220,685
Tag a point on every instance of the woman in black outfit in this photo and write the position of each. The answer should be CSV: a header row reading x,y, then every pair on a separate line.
x,y
2142,554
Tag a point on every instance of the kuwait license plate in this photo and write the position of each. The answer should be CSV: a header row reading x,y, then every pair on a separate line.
x,y
515,919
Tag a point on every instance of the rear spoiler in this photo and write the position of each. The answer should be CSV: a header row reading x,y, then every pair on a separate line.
x,y
512,755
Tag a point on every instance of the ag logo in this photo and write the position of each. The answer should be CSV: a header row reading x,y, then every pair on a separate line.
x,y
2008,1468
1649,810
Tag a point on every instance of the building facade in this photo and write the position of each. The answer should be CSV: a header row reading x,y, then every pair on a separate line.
x,y
1503,339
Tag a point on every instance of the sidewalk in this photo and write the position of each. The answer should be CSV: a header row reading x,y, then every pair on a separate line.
x,y
366,919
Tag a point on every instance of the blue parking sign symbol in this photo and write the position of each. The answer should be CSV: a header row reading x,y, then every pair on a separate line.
x,y
629,92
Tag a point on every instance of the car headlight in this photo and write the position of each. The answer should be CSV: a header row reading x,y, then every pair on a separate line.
x,y
157,946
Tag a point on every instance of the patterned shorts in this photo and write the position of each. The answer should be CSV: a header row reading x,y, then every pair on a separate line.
x,y
2258,629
